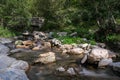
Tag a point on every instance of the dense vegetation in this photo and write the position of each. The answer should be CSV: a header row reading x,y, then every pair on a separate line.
x,y
93,19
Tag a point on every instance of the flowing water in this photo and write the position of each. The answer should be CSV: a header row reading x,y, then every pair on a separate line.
x,y
48,72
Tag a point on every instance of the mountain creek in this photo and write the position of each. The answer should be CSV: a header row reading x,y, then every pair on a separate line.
x,y
50,71
51,60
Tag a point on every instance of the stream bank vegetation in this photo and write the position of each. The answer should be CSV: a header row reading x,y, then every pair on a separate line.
x,y
94,20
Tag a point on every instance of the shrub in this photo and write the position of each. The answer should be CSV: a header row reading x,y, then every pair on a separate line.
x,y
5,32
77,40
113,37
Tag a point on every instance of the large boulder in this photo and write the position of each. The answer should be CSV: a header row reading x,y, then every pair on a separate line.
x,y
5,61
97,54
12,74
4,50
12,69
19,64
8,62
46,58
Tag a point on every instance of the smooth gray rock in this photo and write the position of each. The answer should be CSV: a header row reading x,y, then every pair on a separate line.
x,y
71,71
61,69
4,50
19,64
5,40
105,62
12,69
12,74
6,61
115,66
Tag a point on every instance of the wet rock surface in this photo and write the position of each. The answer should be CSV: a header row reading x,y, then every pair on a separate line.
x,y
98,53
115,66
4,50
12,74
45,58
105,62
5,40
12,69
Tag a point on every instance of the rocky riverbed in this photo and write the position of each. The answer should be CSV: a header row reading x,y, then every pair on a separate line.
x,y
37,56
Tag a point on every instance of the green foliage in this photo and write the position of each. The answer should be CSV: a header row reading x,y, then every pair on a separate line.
x,y
58,13
70,40
93,42
113,38
15,13
77,40
4,32
81,16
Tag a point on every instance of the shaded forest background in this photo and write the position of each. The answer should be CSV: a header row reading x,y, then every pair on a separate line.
x,y
92,19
